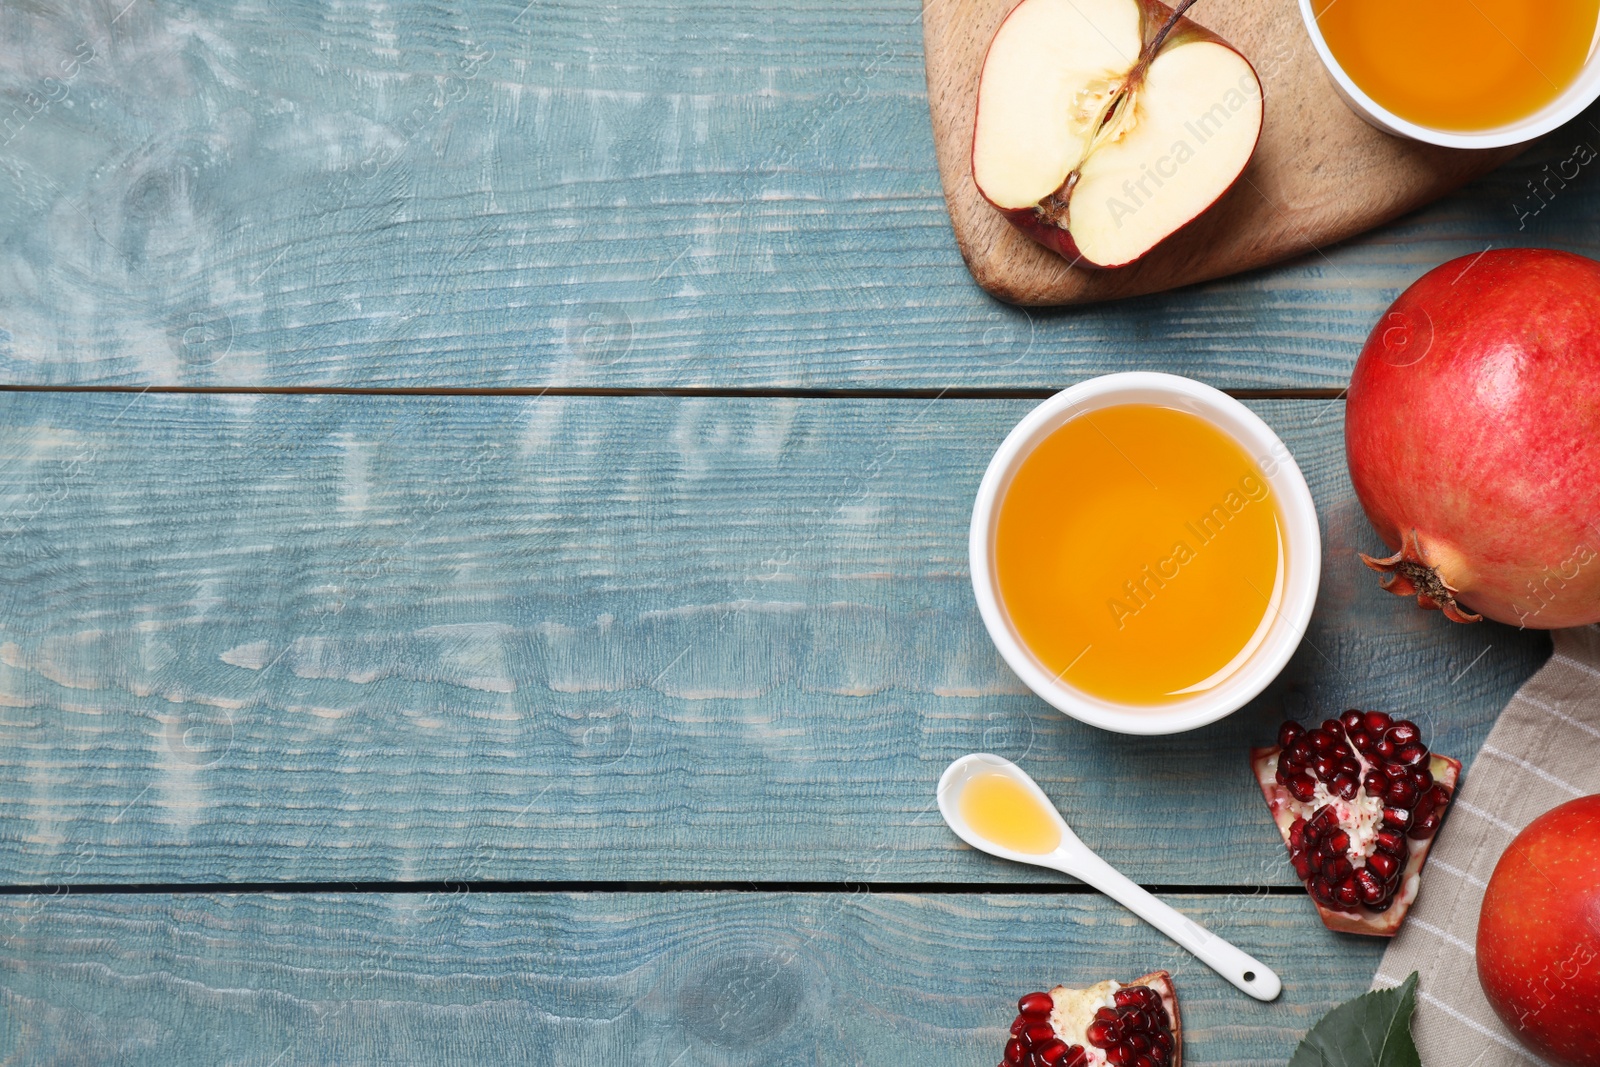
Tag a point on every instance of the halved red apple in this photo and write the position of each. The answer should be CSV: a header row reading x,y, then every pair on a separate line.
x,y
1104,126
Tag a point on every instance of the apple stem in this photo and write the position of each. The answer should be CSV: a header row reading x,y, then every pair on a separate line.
x,y
1161,34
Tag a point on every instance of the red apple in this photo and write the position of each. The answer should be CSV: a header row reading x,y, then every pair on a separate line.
x,y
1104,126
1539,935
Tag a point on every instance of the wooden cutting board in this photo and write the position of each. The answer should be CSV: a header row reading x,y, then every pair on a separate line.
x,y
1319,175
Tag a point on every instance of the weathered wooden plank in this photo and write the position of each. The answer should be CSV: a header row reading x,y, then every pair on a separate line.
x,y
334,638
682,978
576,193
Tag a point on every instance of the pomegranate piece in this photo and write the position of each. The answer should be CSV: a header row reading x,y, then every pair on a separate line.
x,y
1132,1025
1357,800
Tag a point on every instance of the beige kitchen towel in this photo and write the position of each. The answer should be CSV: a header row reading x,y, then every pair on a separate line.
x,y
1543,751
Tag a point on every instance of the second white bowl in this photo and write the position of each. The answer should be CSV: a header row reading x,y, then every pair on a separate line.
x,y
1583,91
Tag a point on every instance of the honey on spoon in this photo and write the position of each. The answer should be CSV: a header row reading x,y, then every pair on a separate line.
x,y
1010,817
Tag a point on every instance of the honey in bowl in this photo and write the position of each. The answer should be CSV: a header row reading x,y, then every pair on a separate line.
x,y
1460,64
1140,554
1001,809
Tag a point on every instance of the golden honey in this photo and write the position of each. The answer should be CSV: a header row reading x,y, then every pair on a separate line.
x,y
1460,64
1139,551
1001,809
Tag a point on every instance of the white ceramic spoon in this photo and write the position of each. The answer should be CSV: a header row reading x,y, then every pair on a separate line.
x,y
1073,857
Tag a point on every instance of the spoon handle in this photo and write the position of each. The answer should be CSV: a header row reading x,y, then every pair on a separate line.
x,y
1239,967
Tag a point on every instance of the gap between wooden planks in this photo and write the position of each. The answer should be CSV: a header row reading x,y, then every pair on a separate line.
x,y
734,393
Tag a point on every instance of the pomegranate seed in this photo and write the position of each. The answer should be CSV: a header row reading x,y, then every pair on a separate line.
x,y
1099,1033
1016,1052
1371,886
1302,787
1351,720
1425,827
1345,786
1337,842
1016,1027
1422,778
1137,1042
1431,801
1390,842
1297,841
1397,820
1321,822
1289,733
1336,868
1053,1054
1302,866
1036,1005
1403,733
1077,1056
1301,752
1350,765
1373,782
1383,865
1349,892
1361,740
1401,794
1333,727
1129,997
1322,741
1325,767
1413,755
1376,721
1144,1061
1036,1034
1383,748
1118,1056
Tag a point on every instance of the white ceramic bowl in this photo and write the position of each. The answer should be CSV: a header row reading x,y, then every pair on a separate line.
x,y
1303,569
1583,91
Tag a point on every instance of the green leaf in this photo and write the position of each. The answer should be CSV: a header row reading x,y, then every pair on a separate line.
x,y
1373,1030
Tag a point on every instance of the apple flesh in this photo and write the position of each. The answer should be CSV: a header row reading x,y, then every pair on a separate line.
x,y
1104,126
1539,935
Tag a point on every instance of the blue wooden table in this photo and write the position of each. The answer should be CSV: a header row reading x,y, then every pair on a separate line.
x,y
483,492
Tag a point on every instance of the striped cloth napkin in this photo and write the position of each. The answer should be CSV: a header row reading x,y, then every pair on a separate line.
x,y
1543,751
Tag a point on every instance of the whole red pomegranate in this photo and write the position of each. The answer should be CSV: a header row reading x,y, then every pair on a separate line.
x,y
1539,935
1473,435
